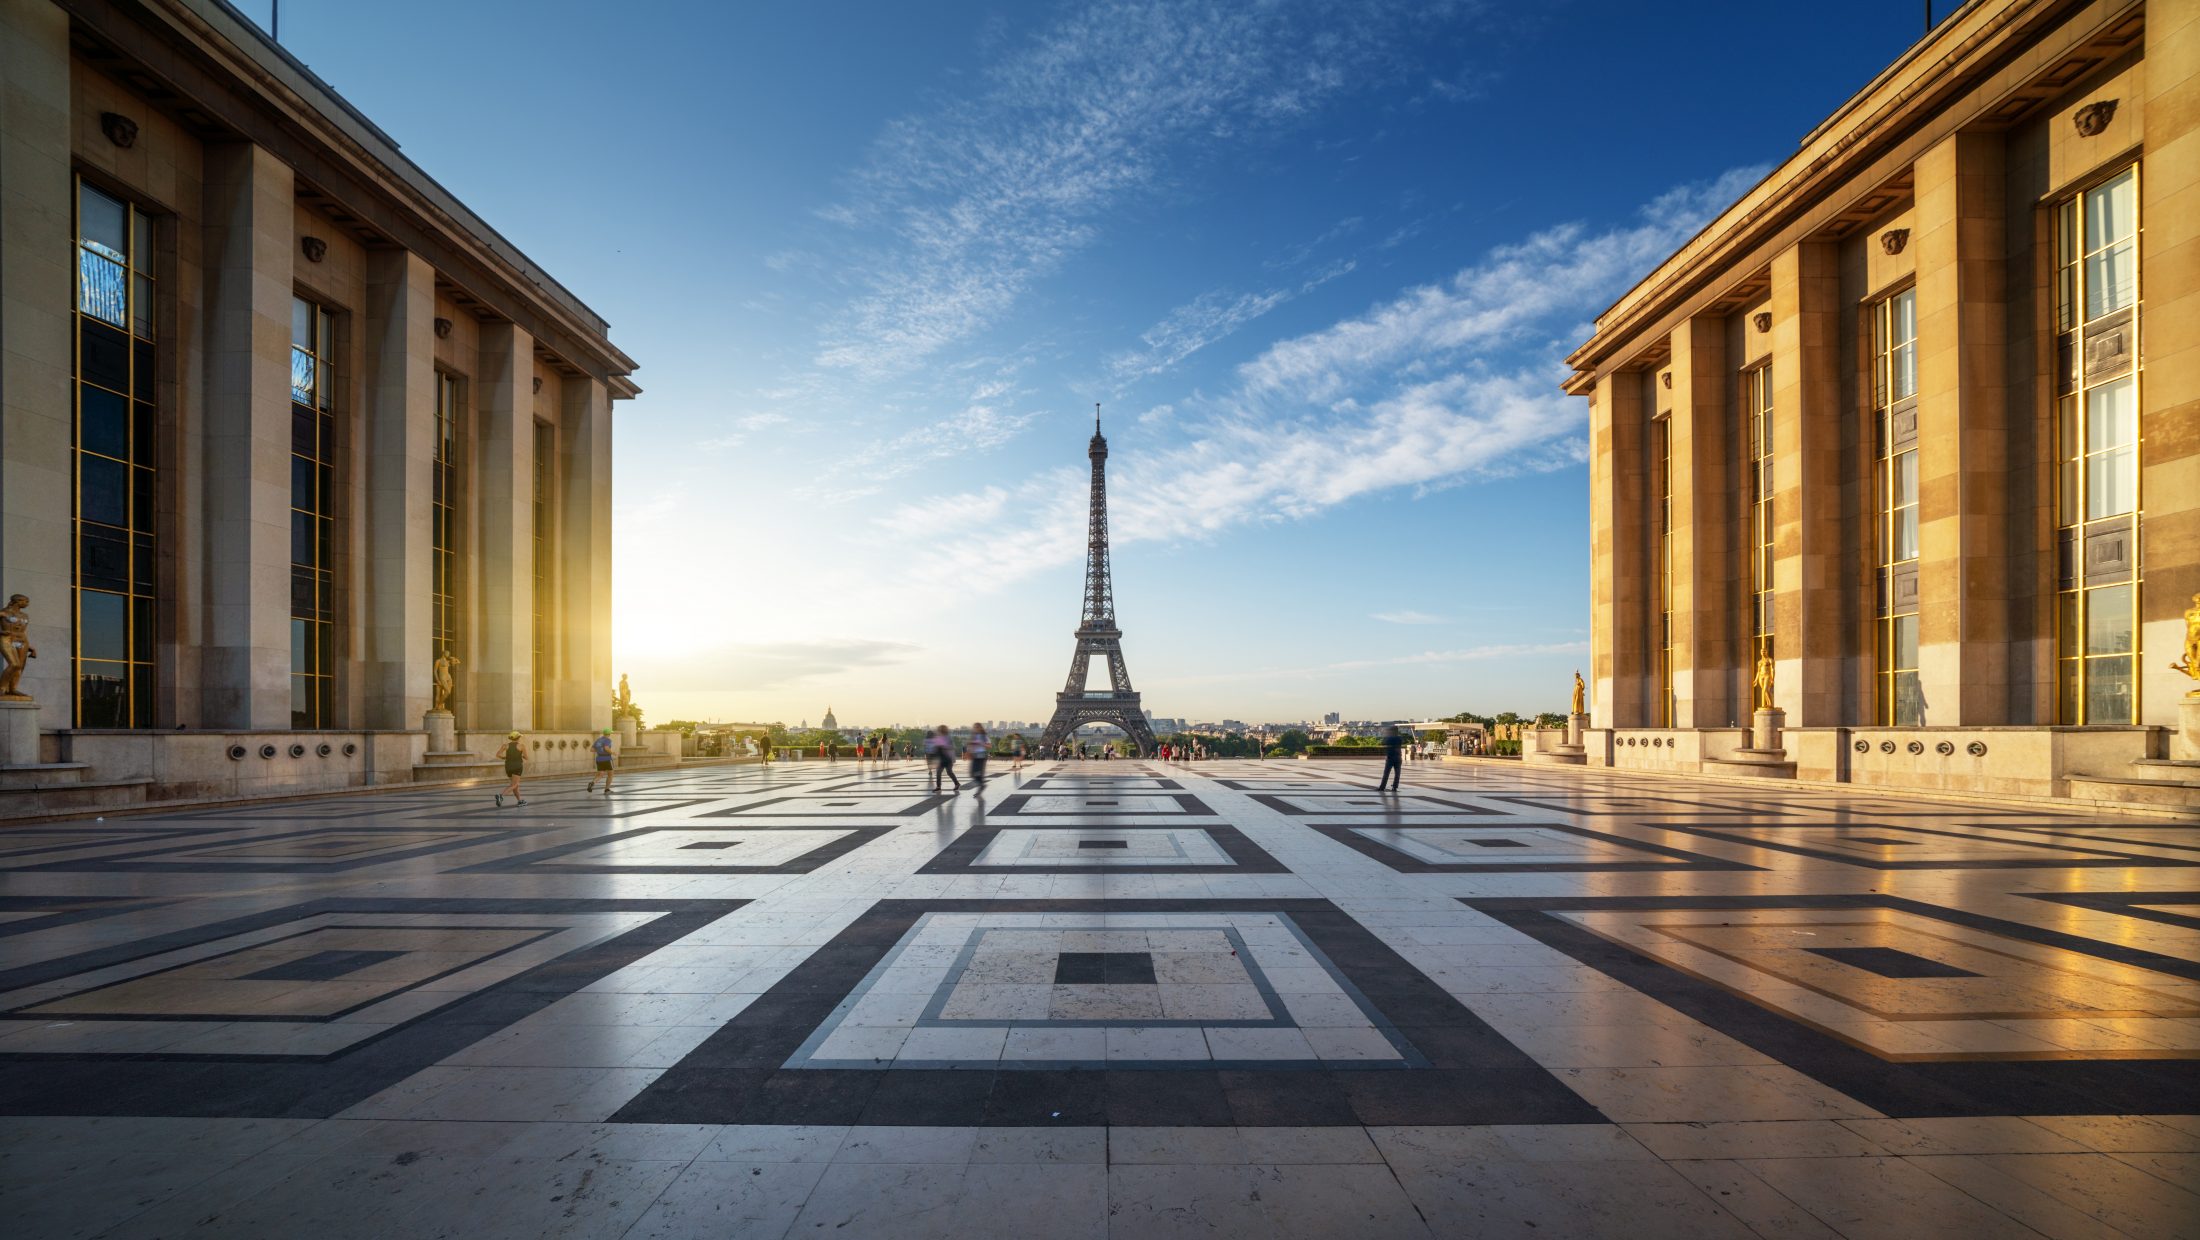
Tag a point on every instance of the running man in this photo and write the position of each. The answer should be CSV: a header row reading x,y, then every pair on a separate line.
x,y
514,754
605,761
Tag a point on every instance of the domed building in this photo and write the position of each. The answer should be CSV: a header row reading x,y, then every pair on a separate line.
x,y
830,724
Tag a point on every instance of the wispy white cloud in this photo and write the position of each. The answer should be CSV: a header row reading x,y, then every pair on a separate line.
x,y
1203,321
1405,617
1566,270
970,204
1438,386
978,427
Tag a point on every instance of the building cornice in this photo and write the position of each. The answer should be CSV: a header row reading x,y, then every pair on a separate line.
x,y
1988,64
227,79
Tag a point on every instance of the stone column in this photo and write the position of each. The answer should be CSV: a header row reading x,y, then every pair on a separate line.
x,y
245,470
398,441
2169,384
504,482
584,538
37,356
1619,525
1809,578
1960,236
1704,471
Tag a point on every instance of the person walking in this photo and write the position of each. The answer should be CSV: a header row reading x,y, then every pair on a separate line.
x,y
602,748
940,747
980,746
514,754
1393,764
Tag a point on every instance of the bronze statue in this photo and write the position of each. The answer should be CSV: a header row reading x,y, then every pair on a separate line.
x,y
15,646
1761,683
445,680
622,703
2190,667
1580,695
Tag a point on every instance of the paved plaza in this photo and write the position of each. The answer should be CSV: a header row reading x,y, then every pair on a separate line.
x,y
1125,998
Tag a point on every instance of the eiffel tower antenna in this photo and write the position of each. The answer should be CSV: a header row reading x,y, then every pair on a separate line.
x,y
1097,634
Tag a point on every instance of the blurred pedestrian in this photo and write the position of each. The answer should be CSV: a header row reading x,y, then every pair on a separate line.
x,y
1393,765
514,754
977,750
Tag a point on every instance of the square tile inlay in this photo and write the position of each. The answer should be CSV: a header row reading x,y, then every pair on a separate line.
x,y
1104,969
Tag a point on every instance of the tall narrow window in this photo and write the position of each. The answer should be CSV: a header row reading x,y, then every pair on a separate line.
x,y
545,551
312,517
2097,454
1894,392
443,621
1757,410
1661,462
113,442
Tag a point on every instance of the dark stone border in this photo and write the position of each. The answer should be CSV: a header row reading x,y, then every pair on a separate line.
x,y
1246,857
1592,804
545,860
140,862
1905,1089
2099,856
1187,806
1399,809
1475,1077
302,1087
926,803
2128,903
1348,834
68,910
26,1013
130,836
1042,783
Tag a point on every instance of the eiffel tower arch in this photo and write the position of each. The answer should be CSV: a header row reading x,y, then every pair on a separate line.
x,y
1098,636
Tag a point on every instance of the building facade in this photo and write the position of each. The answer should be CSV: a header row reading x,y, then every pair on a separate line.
x,y
284,421
1918,420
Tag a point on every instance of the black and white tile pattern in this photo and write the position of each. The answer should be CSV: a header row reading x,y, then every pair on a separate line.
x,y
762,1000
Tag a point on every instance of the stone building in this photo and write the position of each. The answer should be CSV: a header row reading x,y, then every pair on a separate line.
x,y
284,421
1919,419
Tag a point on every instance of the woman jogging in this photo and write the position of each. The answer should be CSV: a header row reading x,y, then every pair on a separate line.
x,y
514,754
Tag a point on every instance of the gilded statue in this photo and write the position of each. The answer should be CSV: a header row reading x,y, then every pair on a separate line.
x,y
15,646
2190,667
622,703
1761,683
1581,692
446,679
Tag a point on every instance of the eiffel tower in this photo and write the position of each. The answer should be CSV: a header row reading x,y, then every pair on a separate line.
x,y
1097,635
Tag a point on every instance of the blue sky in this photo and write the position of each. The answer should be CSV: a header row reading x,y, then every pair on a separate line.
x,y
1318,261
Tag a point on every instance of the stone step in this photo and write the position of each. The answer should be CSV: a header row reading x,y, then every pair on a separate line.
x,y
1764,767
2174,770
64,796
44,774
454,757
2176,794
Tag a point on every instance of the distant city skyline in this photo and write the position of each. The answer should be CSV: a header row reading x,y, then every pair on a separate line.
x,y
877,262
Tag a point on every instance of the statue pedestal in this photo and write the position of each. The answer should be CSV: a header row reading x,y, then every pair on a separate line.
x,y
627,734
18,732
1764,732
2184,745
442,731
1575,726
1765,755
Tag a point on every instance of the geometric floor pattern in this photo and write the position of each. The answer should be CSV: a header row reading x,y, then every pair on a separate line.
x,y
1125,998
